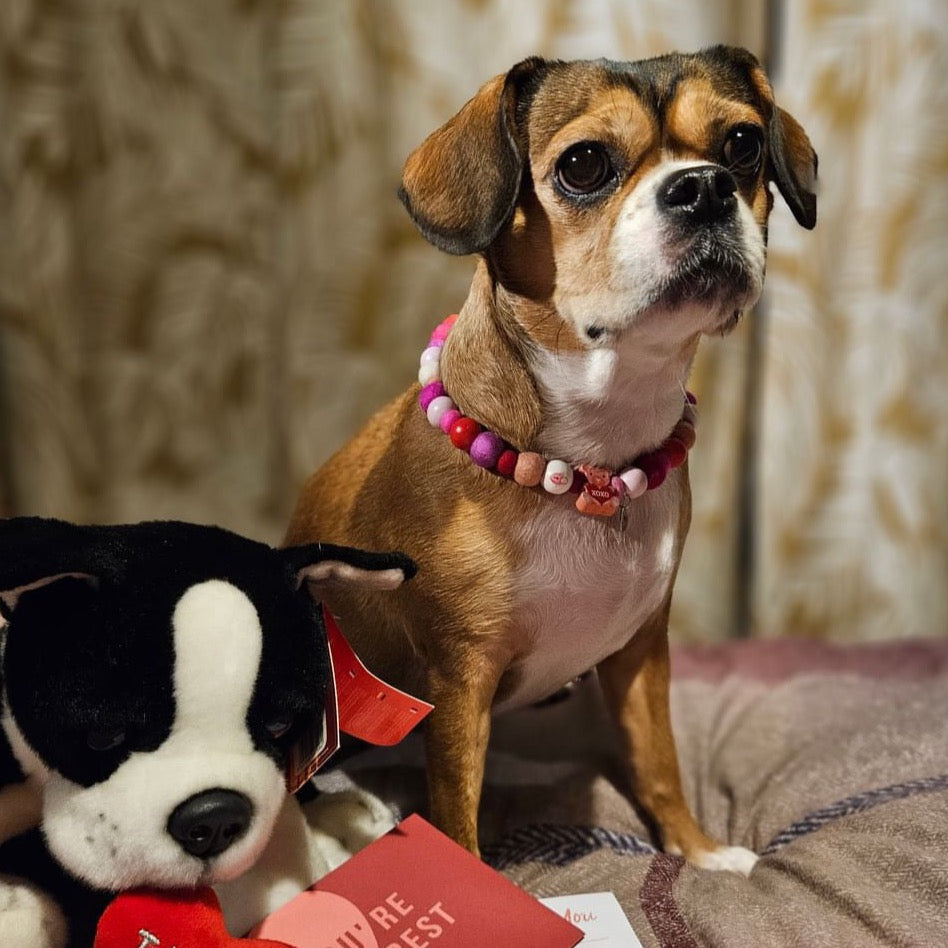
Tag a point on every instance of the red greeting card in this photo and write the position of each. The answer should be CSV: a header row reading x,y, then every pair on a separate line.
x,y
415,888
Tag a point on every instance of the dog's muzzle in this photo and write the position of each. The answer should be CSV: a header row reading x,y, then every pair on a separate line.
x,y
706,237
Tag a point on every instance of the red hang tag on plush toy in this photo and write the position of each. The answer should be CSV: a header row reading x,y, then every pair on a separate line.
x,y
358,703
369,708
187,919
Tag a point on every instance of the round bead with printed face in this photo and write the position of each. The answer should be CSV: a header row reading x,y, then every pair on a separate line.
x,y
557,478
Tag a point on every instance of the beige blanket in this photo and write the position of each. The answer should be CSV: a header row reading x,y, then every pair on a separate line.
x,y
830,762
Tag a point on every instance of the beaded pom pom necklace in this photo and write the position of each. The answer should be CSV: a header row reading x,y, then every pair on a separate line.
x,y
600,492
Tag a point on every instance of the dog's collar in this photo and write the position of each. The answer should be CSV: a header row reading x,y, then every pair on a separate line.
x,y
600,491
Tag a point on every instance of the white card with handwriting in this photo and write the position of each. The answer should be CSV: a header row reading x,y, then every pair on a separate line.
x,y
599,916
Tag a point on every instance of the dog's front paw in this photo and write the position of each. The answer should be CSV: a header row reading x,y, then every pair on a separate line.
x,y
29,918
732,858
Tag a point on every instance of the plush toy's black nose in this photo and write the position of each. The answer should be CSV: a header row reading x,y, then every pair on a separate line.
x,y
210,822
702,194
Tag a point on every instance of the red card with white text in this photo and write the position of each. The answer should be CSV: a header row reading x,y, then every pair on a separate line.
x,y
415,888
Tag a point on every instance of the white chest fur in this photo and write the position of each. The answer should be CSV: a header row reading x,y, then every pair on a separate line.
x,y
586,586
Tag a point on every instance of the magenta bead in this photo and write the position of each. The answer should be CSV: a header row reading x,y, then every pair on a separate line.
x,y
429,393
486,448
656,467
448,419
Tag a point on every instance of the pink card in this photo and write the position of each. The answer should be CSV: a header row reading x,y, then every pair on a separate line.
x,y
415,888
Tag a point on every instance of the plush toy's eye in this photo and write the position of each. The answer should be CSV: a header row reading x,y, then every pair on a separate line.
x,y
277,727
105,740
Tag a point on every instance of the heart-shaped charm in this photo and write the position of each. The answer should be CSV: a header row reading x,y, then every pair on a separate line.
x,y
149,918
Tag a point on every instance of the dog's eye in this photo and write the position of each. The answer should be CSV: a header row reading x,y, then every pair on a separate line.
x,y
105,740
584,168
277,727
744,149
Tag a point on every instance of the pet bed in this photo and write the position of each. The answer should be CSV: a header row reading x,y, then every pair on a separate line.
x,y
829,761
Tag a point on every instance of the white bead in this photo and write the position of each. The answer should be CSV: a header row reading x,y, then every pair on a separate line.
x,y
437,407
558,477
636,483
431,354
429,372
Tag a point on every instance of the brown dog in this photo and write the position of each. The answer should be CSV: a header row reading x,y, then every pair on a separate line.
x,y
620,212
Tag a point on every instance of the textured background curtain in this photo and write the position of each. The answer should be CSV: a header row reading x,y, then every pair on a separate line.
x,y
206,281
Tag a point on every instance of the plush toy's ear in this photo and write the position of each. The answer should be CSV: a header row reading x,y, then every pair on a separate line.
x,y
793,162
35,552
461,184
321,564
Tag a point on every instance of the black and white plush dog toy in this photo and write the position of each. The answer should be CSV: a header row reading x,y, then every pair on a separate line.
x,y
156,679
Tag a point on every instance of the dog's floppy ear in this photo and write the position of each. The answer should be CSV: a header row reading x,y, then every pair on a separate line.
x,y
461,184
35,552
321,564
793,163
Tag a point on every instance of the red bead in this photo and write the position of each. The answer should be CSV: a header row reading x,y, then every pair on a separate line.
x,y
507,462
463,432
579,482
684,431
656,468
675,451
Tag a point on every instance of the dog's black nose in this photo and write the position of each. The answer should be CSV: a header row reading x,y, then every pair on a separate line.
x,y
210,822
702,194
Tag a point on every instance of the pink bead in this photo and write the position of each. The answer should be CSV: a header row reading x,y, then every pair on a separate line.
x,y
507,462
529,469
486,449
692,399
636,483
618,485
437,409
428,393
448,419
441,332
